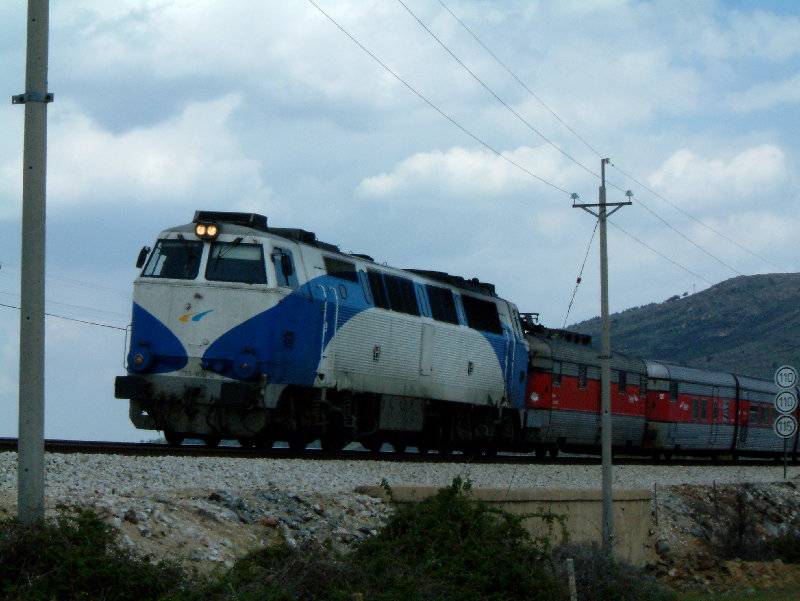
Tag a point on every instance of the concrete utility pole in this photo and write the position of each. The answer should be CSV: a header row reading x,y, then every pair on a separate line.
x,y
605,358
30,488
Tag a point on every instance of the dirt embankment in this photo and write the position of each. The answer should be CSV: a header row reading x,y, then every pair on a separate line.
x,y
726,537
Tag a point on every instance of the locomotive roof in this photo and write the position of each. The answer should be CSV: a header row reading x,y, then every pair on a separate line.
x,y
244,222
456,280
254,221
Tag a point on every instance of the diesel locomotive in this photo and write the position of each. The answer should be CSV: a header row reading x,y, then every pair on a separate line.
x,y
244,331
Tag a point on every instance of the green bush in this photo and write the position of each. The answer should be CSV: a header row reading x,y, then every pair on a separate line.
x,y
446,548
451,548
308,573
76,556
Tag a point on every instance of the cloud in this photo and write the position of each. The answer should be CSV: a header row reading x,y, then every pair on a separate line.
x,y
460,172
745,34
191,158
692,180
767,95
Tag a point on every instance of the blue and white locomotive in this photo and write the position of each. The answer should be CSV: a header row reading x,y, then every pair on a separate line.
x,y
249,332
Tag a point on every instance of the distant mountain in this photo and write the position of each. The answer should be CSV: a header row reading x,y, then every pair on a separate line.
x,y
748,325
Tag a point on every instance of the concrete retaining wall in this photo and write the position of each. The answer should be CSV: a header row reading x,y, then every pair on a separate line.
x,y
582,509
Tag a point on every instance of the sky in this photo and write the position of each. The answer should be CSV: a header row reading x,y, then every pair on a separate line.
x,y
446,135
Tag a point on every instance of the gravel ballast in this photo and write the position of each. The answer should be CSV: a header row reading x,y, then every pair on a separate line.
x,y
78,473
206,511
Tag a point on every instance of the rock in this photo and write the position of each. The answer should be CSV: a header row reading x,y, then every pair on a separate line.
x,y
130,516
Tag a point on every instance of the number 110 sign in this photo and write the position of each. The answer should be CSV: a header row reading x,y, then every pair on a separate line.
x,y
786,401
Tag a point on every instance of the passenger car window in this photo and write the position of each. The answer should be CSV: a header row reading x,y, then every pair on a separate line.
x,y
582,376
557,373
236,262
177,259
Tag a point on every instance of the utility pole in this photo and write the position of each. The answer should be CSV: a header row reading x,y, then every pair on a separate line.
x,y
30,449
602,215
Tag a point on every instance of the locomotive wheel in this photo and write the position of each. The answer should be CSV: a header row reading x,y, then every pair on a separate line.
x,y
375,446
264,442
541,452
372,444
472,449
333,441
247,443
553,451
297,442
211,442
399,447
173,439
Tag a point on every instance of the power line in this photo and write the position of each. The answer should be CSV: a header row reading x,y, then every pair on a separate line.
x,y
580,274
433,106
492,92
514,75
91,323
705,225
552,112
517,165
689,240
663,256
69,281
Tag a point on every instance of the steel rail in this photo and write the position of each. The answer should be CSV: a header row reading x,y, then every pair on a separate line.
x,y
153,449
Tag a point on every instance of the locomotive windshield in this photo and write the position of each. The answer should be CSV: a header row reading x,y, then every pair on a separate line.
x,y
177,259
236,262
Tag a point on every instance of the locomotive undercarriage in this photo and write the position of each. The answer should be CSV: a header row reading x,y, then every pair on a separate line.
x,y
335,418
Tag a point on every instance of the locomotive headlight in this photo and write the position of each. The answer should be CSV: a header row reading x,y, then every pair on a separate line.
x,y
206,231
140,359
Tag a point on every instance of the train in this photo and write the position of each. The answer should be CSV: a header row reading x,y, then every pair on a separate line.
x,y
246,332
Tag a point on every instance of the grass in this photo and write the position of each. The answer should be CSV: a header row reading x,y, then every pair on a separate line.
x,y
787,594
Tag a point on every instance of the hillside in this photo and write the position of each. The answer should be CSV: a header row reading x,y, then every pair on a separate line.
x,y
748,325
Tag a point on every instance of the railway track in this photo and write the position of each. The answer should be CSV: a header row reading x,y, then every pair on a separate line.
x,y
145,449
